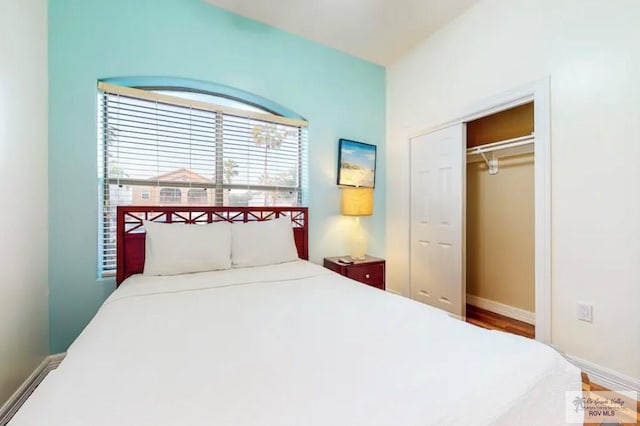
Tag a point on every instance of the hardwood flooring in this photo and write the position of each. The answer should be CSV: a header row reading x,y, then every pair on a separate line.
x,y
493,321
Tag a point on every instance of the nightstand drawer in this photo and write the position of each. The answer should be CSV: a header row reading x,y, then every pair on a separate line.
x,y
372,275
369,270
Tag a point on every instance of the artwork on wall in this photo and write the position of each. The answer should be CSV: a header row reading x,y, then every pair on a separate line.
x,y
356,164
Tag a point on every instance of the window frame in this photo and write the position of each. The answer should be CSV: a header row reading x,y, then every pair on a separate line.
x,y
219,185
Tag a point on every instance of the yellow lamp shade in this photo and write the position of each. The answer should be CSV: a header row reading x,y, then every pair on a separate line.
x,y
357,201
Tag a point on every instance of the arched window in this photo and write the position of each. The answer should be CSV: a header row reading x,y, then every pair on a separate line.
x,y
234,148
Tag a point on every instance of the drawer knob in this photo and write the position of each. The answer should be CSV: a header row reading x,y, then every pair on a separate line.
x,y
367,276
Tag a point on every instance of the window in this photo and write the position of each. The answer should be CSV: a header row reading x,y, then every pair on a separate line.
x,y
180,147
170,196
197,196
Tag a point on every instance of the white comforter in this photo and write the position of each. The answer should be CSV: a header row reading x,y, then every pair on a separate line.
x,y
292,344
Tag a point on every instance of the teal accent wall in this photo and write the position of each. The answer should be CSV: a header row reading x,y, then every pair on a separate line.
x,y
341,97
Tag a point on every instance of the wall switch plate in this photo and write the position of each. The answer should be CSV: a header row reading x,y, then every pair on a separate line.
x,y
585,312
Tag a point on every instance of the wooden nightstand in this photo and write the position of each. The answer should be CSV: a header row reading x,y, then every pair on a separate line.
x,y
369,271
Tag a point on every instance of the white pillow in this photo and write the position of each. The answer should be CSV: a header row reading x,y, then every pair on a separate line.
x,y
262,243
180,248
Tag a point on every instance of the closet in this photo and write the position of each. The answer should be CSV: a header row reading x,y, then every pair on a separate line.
x,y
472,237
500,207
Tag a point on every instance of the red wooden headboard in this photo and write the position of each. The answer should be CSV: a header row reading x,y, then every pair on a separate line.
x,y
131,235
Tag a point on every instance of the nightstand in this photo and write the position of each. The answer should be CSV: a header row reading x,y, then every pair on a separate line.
x,y
369,271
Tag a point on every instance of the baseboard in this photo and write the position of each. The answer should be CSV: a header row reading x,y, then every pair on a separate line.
x,y
604,376
502,309
18,398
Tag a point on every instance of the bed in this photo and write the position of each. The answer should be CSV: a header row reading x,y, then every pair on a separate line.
x,y
288,343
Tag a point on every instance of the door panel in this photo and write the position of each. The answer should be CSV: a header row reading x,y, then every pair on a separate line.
x,y
437,213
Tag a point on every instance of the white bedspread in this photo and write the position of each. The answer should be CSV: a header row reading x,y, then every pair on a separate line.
x,y
292,344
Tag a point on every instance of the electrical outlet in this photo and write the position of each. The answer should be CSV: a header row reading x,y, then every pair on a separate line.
x,y
585,312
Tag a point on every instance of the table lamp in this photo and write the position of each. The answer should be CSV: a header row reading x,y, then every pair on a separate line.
x,y
357,202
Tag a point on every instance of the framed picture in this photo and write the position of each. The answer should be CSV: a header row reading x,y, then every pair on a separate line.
x,y
356,164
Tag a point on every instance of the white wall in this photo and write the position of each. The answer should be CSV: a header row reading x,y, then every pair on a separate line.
x,y
24,323
589,50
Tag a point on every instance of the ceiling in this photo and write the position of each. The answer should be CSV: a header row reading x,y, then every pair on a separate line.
x,y
379,31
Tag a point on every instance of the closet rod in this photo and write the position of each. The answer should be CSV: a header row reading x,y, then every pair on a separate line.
x,y
496,146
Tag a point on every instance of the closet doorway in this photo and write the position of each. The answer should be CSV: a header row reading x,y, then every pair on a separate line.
x,y
500,222
480,210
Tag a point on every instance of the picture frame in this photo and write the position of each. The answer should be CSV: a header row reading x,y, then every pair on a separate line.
x,y
356,164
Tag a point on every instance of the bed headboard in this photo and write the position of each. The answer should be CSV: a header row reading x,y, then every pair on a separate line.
x,y
131,236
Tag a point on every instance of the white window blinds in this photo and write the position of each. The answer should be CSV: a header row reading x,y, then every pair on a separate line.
x,y
160,149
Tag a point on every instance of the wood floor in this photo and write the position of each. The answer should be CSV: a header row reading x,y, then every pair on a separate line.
x,y
493,321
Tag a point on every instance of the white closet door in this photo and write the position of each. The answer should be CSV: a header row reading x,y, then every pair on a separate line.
x,y
437,218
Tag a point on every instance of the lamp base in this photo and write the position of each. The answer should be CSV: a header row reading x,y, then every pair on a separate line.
x,y
358,243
